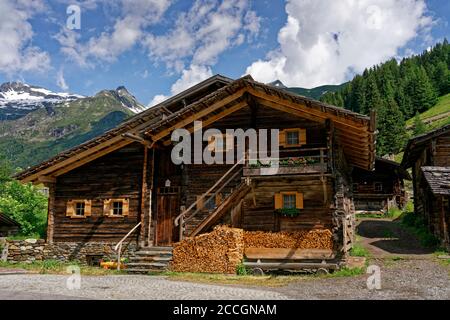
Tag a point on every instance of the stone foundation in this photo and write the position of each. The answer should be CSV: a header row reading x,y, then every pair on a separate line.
x,y
31,250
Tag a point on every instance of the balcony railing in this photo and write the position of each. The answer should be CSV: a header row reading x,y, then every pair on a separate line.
x,y
300,161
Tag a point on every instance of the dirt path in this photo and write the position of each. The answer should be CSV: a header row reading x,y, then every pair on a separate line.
x,y
385,238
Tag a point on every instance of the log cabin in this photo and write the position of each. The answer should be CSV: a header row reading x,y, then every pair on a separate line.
x,y
124,185
429,157
380,190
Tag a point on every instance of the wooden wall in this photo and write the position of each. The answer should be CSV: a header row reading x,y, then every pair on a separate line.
x,y
116,175
315,214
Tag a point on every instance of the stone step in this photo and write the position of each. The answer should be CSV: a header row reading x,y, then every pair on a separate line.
x,y
156,249
146,265
153,253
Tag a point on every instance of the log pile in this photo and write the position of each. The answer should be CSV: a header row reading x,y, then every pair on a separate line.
x,y
311,239
219,251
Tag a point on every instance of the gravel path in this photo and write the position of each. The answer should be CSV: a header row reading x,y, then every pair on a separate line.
x,y
404,279
126,287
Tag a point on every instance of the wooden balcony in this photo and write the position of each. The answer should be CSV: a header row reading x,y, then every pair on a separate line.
x,y
300,161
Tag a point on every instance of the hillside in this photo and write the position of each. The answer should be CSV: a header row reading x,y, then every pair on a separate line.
x,y
315,93
44,132
436,116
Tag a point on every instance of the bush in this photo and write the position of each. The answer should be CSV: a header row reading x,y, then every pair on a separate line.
x,y
22,202
241,270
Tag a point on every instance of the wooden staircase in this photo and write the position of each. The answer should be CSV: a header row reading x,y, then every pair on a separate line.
x,y
150,259
230,202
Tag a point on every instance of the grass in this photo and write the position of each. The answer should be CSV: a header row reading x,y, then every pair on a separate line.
x,y
57,267
24,237
442,106
346,272
359,250
394,213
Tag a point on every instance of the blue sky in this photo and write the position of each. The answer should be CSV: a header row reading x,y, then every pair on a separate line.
x,y
156,48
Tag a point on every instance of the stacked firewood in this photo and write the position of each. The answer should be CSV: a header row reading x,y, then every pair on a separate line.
x,y
219,251
311,239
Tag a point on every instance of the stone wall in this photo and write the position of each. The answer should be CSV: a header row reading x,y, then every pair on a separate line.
x,y
31,250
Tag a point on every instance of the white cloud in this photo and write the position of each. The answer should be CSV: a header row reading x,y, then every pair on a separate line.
x,y
200,36
60,81
324,42
189,77
16,53
128,30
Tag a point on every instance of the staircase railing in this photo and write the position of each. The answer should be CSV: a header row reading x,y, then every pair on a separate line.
x,y
118,247
229,176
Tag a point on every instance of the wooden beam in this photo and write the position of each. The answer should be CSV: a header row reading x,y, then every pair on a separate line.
x,y
291,110
51,212
150,200
143,194
339,120
196,116
46,179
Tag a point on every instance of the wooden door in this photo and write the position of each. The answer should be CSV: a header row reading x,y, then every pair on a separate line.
x,y
167,211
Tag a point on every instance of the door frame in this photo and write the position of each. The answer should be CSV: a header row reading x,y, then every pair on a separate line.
x,y
171,192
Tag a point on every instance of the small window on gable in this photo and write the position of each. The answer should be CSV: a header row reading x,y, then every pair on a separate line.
x,y
292,137
116,207
78,208
378,186
210,205
221,145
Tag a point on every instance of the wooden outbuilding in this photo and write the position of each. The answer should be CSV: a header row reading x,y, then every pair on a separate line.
x,y
429,157
8,226
379,190
125,183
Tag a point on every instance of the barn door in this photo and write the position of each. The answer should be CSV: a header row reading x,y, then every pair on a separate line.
x,y
167,210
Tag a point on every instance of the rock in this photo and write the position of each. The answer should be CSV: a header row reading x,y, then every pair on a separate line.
x,y
31,240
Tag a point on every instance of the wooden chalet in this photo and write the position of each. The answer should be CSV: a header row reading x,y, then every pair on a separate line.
x,y
8,226
379,190
429,157
123,183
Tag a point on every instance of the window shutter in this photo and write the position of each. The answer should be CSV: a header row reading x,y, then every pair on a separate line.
x,y
70,211
200,204
282,138
107,207
302,136
278,201
299,200
87,208
125,207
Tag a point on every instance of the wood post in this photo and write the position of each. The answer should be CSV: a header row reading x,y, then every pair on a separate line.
x,y
143,194
150,200
51,211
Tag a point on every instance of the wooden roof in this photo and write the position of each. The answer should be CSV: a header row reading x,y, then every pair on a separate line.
x,y
210,101
417,144
438,179
7,221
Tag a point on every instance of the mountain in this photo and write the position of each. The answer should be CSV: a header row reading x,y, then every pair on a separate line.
x,y
18,99
56,122
315,93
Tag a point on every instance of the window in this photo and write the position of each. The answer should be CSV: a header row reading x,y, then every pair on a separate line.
x,y
212,204
292,137
221,145
288,200
378,186
116,207
78,208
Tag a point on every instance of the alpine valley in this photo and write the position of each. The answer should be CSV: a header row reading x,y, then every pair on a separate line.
x,y
36,123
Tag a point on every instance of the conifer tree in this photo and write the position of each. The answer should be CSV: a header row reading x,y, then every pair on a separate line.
x,y
391,127
419,125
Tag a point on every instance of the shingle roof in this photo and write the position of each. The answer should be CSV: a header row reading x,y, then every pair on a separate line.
x,y
438,178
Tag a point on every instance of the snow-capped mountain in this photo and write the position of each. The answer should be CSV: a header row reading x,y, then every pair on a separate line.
x,y
126,98
18,99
